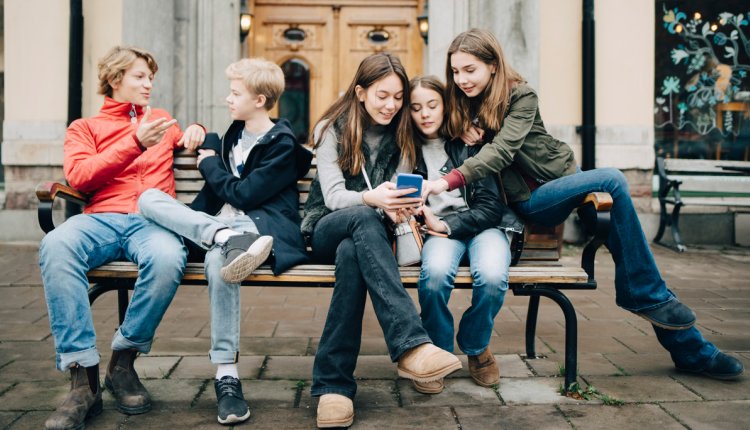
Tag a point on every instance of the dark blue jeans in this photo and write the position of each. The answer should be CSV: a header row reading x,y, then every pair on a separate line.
x,y
355,239
638,283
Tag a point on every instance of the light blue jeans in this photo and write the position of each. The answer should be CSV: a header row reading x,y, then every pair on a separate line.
x,y
85,242
638,283
489,259
200,228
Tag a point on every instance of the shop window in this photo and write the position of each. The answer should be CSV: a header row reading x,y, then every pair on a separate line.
x,y
294,104
702,87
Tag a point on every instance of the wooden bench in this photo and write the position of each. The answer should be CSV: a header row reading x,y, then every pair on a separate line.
x,y
538,274
684,182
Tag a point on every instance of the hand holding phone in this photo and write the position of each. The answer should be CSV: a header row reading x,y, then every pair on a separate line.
x,y
409,180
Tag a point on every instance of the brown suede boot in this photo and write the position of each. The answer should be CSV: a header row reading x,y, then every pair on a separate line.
x,y
83,401
122,381
483,369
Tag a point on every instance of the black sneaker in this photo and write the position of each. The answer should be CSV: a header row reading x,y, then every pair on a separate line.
x,y
243,253
230,401
673,315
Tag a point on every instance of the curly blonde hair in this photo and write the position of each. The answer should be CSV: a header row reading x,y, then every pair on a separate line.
x,y
117,61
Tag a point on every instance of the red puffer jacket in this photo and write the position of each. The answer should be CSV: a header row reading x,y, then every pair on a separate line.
x,y
104,160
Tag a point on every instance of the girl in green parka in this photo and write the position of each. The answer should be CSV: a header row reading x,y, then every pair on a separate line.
x,y
491,105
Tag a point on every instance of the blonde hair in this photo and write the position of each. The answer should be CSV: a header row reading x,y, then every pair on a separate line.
x,y
354,117
260,76
495,99
117,61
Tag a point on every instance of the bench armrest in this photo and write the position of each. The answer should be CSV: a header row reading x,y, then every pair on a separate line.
x,y
46,192
594,213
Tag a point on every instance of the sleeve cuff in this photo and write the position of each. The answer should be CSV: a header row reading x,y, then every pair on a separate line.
x,y
455,179
138,142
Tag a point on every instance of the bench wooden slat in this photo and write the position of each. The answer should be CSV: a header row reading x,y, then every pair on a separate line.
x,y
325,274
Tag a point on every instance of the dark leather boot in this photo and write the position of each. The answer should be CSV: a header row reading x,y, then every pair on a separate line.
x,y
83,401
130,395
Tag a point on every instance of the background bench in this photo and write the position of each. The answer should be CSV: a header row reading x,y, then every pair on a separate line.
x,y
684,182
538,274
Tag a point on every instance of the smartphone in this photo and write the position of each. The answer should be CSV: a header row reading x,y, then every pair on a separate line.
x,y
409,180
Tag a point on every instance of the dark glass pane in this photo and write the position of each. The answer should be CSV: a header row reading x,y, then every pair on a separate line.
x,y
294,103
294,35
378,36
702,88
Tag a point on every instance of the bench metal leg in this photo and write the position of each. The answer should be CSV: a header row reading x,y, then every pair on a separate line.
x,y
571,327
531,317
121,286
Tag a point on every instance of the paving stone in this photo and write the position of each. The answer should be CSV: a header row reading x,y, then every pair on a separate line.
x,y
712,389
31,370
404,418
458,391
251,328
635,417
715,415
725,327
272,395
283,367
273,346
527,391
202,368
307,328
31,332
293,419
644,364
539,417
173,393
376,394
172,418
600,344
34,396
172,346
14,350
510,366
154,367
588,364
8,417
642,388
375,367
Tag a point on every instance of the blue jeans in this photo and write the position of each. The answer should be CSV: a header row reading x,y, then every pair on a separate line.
x,y
200,228
85,242
638,283
356,240
489,259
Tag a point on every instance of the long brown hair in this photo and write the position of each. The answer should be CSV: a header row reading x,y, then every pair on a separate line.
x,y
431,82
352,113
496,96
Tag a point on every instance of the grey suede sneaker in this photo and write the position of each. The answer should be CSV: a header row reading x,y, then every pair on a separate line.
x,y
243,254
230,401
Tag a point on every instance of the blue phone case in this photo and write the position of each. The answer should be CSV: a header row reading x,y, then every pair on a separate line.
x,y
409,180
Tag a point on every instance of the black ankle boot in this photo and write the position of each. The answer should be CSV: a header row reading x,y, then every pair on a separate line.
x,y
83,401
122,381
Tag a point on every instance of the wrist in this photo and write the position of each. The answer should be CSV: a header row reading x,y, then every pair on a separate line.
x,y
138,142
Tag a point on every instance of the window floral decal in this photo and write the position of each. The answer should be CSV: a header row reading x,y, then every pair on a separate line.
x,y
712,61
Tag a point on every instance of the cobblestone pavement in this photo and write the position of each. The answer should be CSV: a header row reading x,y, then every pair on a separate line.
x,y
633,376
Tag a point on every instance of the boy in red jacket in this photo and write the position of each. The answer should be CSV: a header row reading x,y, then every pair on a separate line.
x,y
113,157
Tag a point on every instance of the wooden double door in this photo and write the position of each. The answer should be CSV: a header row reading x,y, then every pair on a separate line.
x,y
319,45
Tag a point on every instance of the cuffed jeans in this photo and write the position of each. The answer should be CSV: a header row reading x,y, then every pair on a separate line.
x,y
356,240
489,259
200,228
85,242
638,283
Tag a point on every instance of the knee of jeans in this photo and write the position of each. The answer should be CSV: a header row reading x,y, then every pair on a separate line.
x,y
346,252
147,199
436,276
616,178
56,247
168,260
495,281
